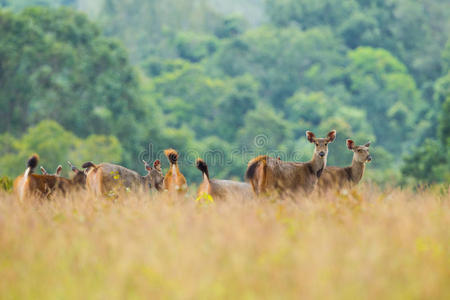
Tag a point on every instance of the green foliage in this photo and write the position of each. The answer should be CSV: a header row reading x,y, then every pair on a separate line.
x,y
98,148
6,184
194,47
230,27
265,131
446,58
413,31
207,76
147,27
209,106
55,64
381,84
444,123
55,146
283,60
310,13
430,163
18,5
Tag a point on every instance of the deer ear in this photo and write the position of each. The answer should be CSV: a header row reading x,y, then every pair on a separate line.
x,y
310,136
331,136
147,166
350,144
367,145
73,168
43,171
58,170
157,165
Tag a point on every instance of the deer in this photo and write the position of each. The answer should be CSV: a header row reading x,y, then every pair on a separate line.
x,y
267,174
104,178
155,176
79,180
346,177
43,186
221,189
174,180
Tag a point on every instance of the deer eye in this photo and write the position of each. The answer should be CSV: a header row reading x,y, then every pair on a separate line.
x,y
317,144
326,144
359,150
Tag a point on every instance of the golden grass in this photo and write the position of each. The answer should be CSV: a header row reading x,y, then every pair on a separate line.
x,y
365,244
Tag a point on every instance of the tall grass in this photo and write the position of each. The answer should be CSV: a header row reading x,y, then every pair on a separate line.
x,y
363,244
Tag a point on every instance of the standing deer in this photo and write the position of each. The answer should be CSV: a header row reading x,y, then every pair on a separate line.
x,y
174,180
221,189
43,186
268,174
155,176
346,177
106,177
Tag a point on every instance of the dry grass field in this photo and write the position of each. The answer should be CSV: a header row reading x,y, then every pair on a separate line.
x,y
361,244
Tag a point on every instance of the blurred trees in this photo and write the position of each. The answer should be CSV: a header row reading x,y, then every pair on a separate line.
x,y
381,85
283,60
55,64
414,31
55,146
430,162
211,84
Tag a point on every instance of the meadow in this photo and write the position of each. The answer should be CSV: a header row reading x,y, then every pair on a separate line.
x,y
365,243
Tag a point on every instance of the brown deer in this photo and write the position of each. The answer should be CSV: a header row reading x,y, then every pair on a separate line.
x,y
43,186
346,177
221,189
79,179
174,180
106,177
267,174
155,175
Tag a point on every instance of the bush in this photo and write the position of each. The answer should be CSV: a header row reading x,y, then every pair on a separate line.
x,y
6,183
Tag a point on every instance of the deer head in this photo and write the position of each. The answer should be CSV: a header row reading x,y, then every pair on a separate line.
x,y
80,176
360,153
321,144
154,177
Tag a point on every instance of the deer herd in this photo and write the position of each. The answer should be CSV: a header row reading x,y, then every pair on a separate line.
x,y
264,175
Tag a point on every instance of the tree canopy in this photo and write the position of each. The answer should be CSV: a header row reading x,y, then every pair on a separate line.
x,y
122,80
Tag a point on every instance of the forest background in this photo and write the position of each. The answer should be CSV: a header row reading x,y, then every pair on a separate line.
x,y
121,80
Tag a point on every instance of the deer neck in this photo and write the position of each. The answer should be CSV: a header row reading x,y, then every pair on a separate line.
x,y
318,164
357,169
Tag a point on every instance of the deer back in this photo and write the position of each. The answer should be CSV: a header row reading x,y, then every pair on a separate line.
x,y
35,185
290,176
222,189
285,177
106,177
333,177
